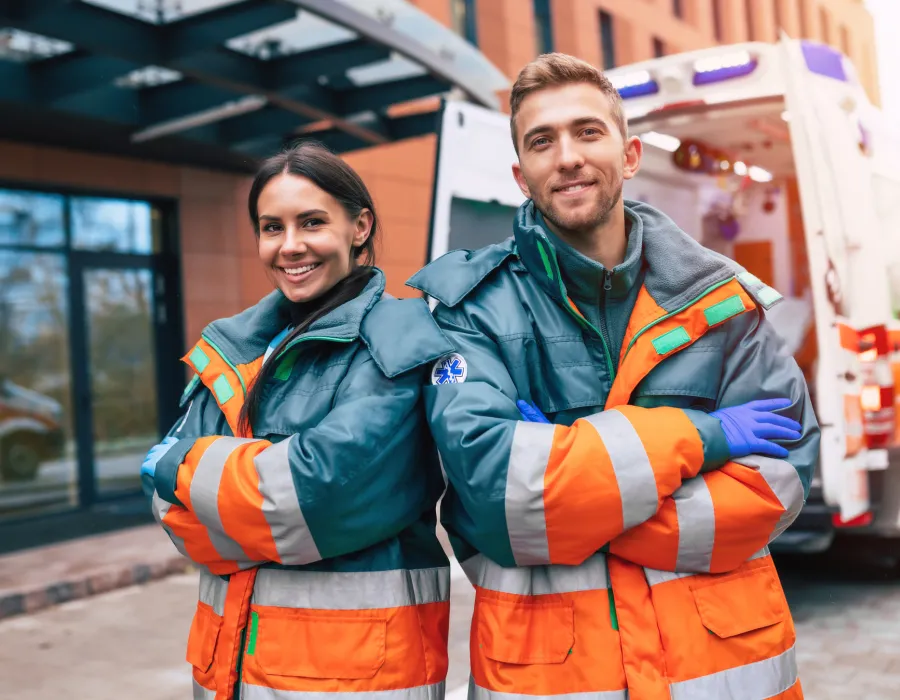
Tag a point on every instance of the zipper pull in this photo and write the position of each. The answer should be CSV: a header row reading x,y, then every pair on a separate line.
x,y
607,281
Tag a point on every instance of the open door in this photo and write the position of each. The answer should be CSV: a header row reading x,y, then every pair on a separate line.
x,y
825,108
475,195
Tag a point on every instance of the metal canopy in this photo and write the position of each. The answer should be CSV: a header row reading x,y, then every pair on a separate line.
x,y
222,83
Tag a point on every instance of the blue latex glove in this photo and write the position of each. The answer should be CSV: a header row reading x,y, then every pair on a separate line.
x,y
148,467
530,412
750,427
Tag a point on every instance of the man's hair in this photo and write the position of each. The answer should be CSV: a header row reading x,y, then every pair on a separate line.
x,y
554,70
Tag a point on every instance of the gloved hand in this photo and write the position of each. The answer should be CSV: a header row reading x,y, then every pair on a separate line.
x,y
148,467
530,412
750,427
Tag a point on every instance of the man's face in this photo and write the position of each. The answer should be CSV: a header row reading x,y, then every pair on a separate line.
x,y
572,157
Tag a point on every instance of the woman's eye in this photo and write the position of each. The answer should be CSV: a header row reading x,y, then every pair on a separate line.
x,y
311,223
272,228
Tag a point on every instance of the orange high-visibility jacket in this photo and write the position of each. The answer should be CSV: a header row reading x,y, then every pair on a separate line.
x,y
617,554
322,575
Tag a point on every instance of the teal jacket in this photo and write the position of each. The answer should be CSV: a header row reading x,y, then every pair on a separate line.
x,y
320,565
680,332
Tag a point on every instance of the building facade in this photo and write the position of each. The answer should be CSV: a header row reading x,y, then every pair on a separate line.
x,y
131,258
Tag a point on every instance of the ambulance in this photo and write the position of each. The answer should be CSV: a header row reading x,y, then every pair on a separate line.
x,y
773,155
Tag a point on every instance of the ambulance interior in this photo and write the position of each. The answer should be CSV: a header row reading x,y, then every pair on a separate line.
x,y
734,189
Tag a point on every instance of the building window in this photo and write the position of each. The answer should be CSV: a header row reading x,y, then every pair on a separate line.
x,y
462,20
543,26
85,305
607,41
717,19
659,49
677,9
804,20
748,17
825,25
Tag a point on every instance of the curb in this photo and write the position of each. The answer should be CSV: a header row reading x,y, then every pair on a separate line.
x,y
91,583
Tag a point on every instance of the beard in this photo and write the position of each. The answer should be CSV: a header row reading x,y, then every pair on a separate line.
x,y
585,219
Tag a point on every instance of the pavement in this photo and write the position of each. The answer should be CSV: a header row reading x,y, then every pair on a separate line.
x,y
112,612
34,579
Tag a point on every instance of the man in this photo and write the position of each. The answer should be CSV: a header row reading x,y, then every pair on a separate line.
x,y
621,551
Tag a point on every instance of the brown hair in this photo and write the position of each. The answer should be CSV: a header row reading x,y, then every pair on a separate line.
x,y
556,69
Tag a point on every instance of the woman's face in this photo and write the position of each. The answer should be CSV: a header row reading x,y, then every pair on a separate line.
x,y
306,239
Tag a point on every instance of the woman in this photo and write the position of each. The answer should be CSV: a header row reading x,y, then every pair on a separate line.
x,y
315,527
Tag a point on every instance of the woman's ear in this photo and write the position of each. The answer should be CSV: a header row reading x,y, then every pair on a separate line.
x,y
363,230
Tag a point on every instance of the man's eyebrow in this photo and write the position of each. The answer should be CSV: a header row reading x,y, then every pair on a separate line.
x,y
580,121
584,121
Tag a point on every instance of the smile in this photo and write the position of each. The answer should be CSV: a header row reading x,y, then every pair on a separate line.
x,y
575,187
299,271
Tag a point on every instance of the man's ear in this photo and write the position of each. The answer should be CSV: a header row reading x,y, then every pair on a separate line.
x,y
520,179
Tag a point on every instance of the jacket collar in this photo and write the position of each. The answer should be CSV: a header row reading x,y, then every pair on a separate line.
x,y
678,269
586,279
244,338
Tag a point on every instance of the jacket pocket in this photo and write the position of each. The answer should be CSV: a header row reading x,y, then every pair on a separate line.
x,y
525,631
734,604
204,634
305,644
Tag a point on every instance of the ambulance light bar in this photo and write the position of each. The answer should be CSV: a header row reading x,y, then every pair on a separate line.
x,y
715,69
635,84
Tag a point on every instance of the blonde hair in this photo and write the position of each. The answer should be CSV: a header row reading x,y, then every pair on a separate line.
x,y
556,69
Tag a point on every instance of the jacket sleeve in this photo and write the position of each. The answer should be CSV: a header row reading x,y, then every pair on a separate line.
x,y
532,493
720,519
358,477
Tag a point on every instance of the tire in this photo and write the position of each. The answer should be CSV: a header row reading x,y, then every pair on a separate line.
x,y
20,459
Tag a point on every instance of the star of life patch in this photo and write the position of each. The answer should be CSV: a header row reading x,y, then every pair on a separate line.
x,y
450,369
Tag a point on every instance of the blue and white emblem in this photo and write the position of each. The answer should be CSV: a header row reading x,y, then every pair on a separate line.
x,y
451,369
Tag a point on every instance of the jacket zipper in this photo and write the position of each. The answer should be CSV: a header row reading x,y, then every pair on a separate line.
x,y
604,331
541,242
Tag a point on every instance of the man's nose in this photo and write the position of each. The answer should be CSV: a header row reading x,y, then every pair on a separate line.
x,y
570,157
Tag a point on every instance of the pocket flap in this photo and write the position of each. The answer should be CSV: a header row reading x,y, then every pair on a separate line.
x,y
305,644
525,631
741,602
202,638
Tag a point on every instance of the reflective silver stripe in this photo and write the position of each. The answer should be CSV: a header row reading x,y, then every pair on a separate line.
x,y
761,679
525,520
160,508
201,693
478,693
537,580
422,692
634,473
205,495
363,590
281,506
783,479
655,577
212,591
696,525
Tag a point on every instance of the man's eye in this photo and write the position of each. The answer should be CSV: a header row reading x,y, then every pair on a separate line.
x,y
540,141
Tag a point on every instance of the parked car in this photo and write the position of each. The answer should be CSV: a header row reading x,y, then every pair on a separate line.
x,y
31,431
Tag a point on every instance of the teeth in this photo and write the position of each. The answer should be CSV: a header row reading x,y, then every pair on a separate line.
x,y
574,188
294,271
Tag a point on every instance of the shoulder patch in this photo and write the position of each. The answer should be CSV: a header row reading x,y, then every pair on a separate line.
x,y
189,391
401,334
451,277
762,294
450,369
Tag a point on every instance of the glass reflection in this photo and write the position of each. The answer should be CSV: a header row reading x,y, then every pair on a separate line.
x,y
37,464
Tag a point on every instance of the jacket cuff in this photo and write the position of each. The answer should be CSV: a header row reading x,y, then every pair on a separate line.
x,y
166,476
715,446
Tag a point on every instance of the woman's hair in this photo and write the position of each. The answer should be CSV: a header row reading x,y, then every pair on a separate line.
x,y
331,174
